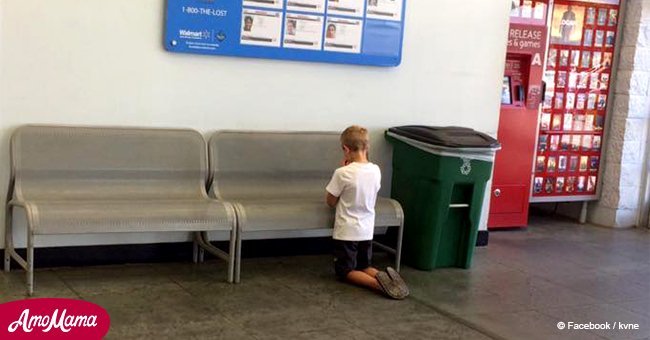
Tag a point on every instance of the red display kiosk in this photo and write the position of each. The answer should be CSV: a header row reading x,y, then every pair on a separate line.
x,y
552,152
521,97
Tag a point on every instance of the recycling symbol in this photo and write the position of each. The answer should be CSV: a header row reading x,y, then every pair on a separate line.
x,y
466,168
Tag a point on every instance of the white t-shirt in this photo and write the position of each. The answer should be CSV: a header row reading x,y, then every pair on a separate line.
x,y
356,185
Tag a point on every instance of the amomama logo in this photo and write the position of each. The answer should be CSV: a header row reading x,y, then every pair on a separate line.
x,y
53,318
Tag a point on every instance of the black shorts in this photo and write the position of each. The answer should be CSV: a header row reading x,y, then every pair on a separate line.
x,y
351,255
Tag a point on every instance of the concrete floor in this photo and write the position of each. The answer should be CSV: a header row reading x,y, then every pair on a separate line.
x,y
520,287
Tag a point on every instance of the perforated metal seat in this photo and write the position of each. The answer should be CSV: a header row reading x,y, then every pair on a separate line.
x,y
79,180
276,181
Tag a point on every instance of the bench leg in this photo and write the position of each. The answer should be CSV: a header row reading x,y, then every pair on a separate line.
x,y
398,247
30,264
238,257
195,250
201,255
9,246
231,255
7,261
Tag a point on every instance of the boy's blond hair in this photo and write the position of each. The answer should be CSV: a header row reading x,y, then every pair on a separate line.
x,y
355,138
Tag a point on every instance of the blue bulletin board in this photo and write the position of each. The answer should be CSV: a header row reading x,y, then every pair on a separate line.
x,y
364,32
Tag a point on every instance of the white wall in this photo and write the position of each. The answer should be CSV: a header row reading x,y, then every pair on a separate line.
x,y
97,62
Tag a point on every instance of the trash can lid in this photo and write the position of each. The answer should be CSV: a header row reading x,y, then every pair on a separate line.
x,y
447,136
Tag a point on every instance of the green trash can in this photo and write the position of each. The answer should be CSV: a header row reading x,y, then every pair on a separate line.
x,y
439,178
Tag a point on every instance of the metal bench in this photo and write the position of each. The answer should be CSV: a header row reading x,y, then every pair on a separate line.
x,y
276,181
80,180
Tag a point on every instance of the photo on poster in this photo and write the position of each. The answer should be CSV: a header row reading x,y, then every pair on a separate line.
x,y
545,121
604,80
575,144
607,59
591,184
561,163
586,59
570,184
542,144
548,99
570,101
578,122
548,185
565,142
559,185
589,123
557,122
573,80
584,163
610,38
539,12
303,31
559,100
552,58
564,58
549,79
575,58
275,4
602,101
596,59
600,121
591,16
353,8
573,163
343,35
515,8
537,187
589,38
581,100
599,39
527,9
568,122
540,164
586,142
594,82
551,165
595,145
594,162
581,184
384,9
613,18
261,28
566,27
555,142
561,79
583,80
591,101
602,16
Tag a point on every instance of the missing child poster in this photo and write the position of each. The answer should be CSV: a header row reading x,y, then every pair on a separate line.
x,y
364,32
303,31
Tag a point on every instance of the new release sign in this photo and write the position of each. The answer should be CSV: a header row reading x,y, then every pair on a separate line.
x,y
366,32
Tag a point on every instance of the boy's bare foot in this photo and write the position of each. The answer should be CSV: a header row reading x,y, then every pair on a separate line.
x,y
390,287
394,275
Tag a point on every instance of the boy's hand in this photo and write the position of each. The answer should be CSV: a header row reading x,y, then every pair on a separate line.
x,y
345,161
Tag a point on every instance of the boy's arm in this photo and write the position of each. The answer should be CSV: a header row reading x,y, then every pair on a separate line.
x,y
334,189
331,200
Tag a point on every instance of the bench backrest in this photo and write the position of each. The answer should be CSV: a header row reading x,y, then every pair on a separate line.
x,y
267,165
83,163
